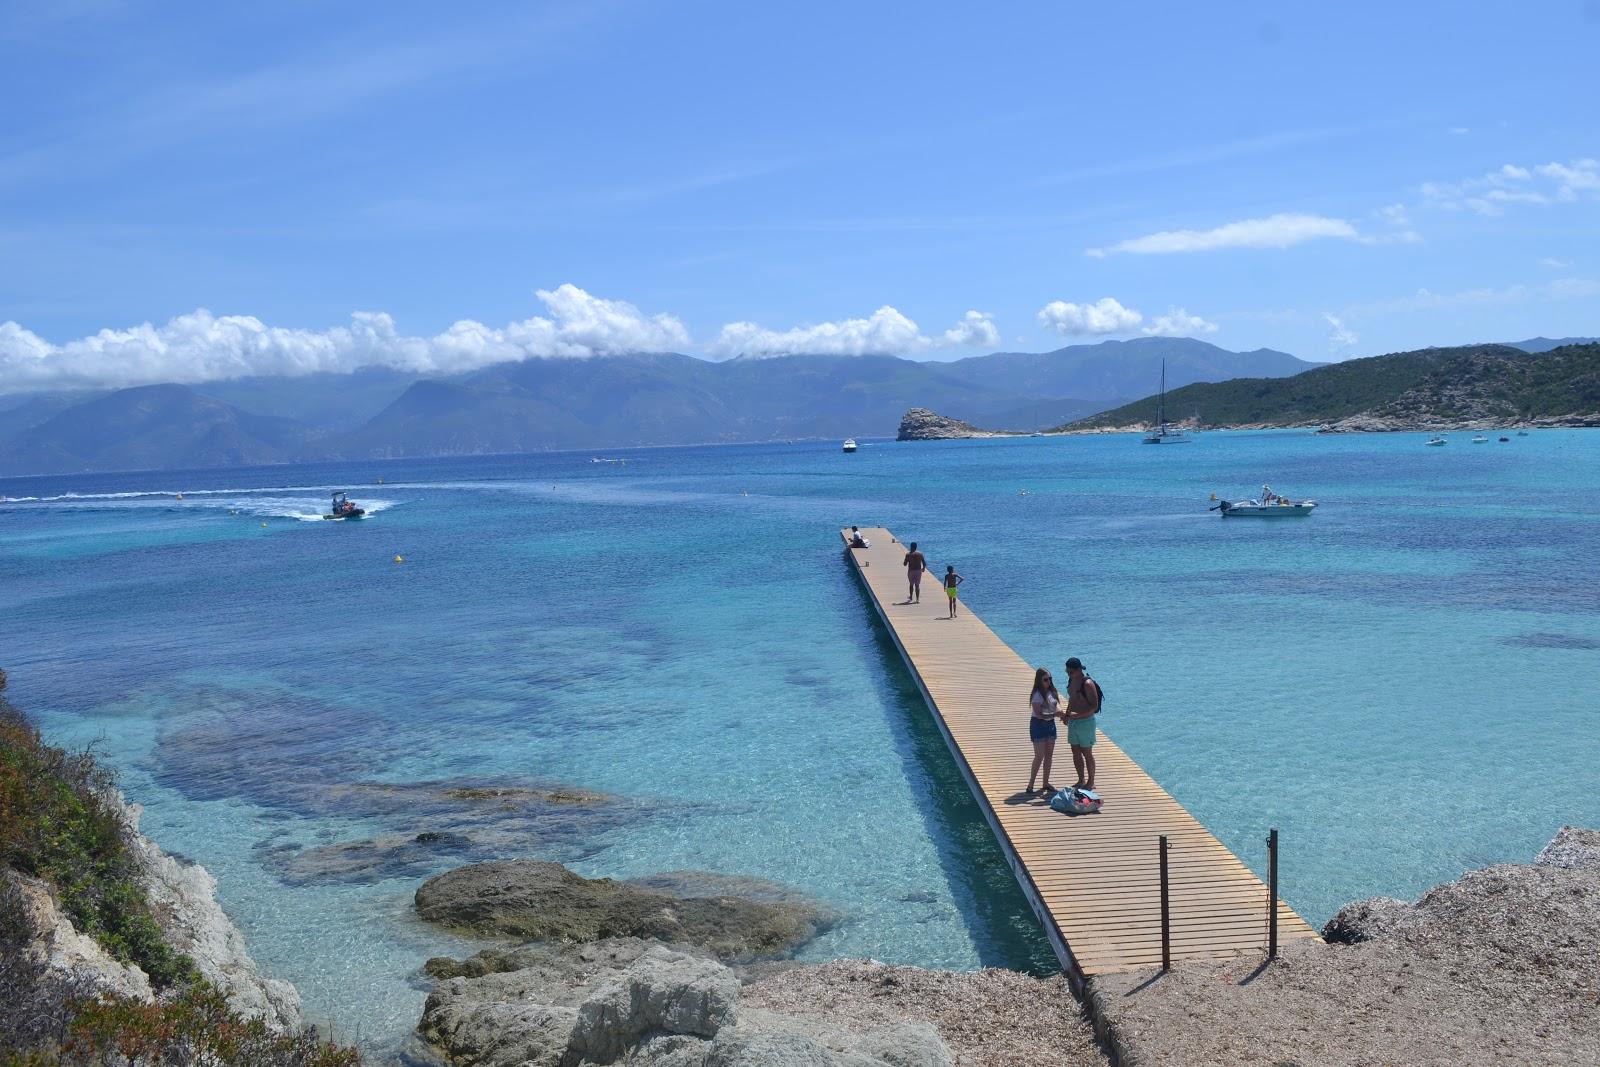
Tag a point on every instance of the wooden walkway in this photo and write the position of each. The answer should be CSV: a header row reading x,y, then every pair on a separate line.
x,y
1093,880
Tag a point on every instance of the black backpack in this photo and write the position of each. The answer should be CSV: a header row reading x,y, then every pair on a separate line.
x,y
1098,688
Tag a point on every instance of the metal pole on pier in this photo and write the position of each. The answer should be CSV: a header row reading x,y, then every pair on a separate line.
x,y
1272,895
1166,916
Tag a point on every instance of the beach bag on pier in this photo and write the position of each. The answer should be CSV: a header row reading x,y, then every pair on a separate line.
x,y
1076,801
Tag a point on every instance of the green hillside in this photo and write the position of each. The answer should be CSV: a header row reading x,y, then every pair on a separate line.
x,y
1431,387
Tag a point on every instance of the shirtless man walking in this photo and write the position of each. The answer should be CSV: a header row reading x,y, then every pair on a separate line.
x,y
915,563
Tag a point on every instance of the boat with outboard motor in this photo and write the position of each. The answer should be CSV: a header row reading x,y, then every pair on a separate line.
x,y
345,508
849,444
1269,505
1435,441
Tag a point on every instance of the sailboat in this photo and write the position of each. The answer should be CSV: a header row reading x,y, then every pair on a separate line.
x,y
1164,434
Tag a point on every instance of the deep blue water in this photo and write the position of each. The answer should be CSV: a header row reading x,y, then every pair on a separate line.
x,y
1403,683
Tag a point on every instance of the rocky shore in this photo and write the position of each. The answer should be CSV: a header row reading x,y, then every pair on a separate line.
x,y
66,963
1500,966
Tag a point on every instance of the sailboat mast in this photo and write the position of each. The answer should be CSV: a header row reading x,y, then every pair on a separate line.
x,y
1161,400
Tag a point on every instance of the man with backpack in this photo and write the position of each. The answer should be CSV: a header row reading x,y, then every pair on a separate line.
x,y
1083,704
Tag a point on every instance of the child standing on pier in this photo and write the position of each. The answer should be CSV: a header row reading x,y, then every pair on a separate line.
x,y
951,580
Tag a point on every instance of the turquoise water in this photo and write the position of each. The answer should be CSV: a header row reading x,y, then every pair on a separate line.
x,y
1403,683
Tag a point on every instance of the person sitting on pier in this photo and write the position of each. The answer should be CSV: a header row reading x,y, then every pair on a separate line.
x,y
856,540
1045,703
1083,704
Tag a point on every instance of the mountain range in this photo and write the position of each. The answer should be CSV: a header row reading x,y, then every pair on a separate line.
x,y
593,402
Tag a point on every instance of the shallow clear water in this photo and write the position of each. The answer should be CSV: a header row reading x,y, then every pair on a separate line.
x,y
1402,683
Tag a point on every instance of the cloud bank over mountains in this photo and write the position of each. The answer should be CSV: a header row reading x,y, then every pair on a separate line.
x,y
201,346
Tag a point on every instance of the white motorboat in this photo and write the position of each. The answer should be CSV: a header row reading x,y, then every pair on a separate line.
x,y
1436,440
1276,508
849,444
1480,440
1164,434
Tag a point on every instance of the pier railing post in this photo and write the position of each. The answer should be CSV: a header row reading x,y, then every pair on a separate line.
x,y
1166,914
1272,895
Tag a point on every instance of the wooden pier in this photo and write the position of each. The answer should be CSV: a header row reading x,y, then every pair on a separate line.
x,y
1093,880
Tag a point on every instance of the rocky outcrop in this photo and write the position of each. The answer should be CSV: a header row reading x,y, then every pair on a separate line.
x,y
632,1002
46,963
920,424
184,898
542,901
1496,967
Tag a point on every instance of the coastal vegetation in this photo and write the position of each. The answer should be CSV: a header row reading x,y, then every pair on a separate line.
x,y
1430,388
64,836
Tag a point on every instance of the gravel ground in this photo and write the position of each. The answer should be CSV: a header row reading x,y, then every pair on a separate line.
x,y
989,1018
1501,967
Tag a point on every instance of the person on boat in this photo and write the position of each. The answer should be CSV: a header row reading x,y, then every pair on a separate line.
x,y
1266,494
1045,704
951,580
915,563
1083,704
856,540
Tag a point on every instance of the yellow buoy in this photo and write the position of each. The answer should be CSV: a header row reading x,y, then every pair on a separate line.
x,y
399,559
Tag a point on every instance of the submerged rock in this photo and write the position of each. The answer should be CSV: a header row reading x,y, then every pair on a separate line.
x,y
544,901
368,861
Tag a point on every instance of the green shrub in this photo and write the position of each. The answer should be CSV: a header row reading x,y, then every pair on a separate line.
x,y
57,823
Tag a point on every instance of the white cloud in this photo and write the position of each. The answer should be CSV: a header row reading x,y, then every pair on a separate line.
x,y
975,330
884,332
1274,231
1340,335
1553,263
1460,131
1103,316
1580,176
1179,323
1489,194
201,346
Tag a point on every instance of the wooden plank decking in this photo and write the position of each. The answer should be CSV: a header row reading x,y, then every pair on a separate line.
x,y
1093,880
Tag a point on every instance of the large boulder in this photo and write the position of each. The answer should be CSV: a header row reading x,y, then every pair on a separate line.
x,y
542,901
662,992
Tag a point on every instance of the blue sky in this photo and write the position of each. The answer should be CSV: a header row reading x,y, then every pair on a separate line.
x,y
722,178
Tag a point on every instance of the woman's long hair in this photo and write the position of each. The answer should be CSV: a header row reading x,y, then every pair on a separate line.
x,y
1043,683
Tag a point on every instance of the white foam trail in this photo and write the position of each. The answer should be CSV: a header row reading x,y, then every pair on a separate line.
x,y
243,502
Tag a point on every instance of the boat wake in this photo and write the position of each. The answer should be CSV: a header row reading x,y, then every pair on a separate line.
x,y
307,504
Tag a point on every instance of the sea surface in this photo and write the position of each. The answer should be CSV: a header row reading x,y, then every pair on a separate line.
x,y
1403,683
